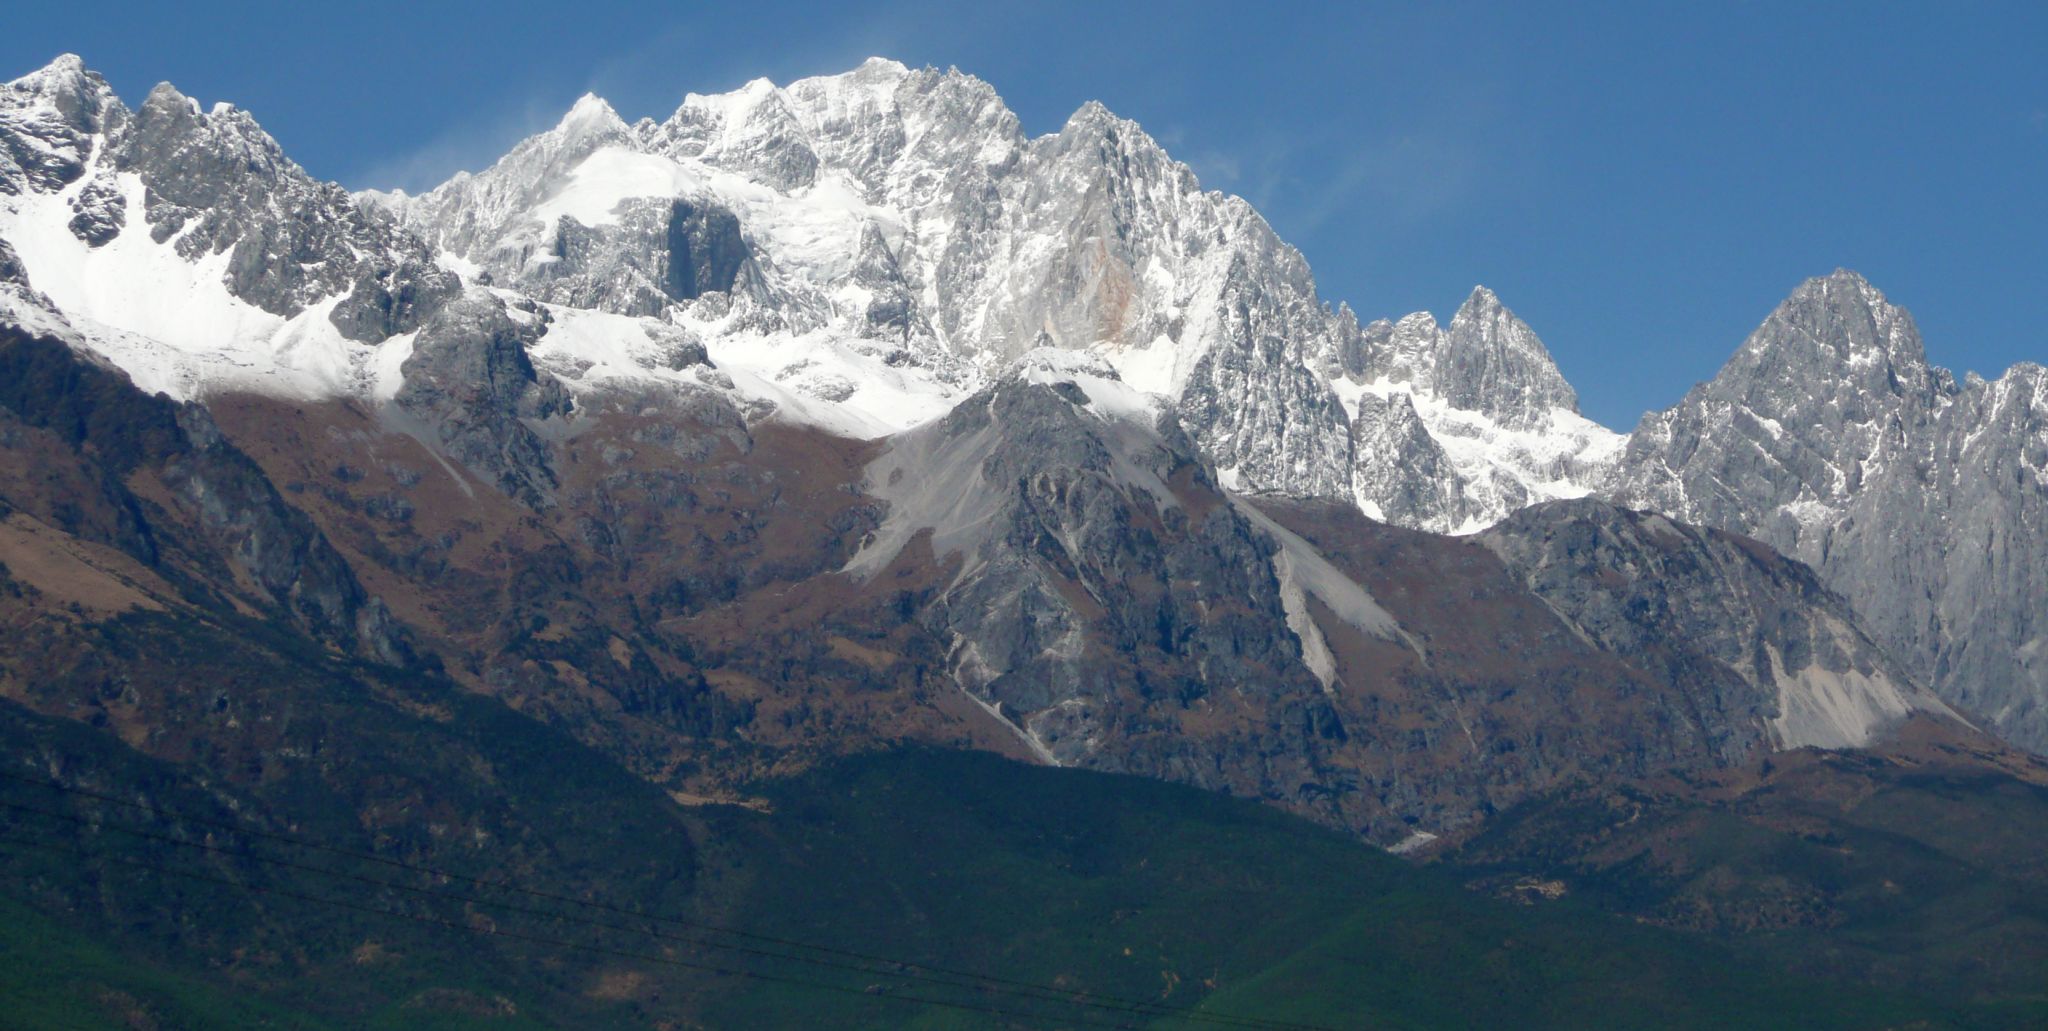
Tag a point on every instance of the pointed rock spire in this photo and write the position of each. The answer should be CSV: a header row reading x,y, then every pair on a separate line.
x,y
1491,362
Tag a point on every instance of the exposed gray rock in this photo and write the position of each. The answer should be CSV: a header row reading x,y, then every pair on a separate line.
x,y
1770,658
51,123
1403,351
1829,436
217,182
892,310
650,253
1258,412
678,349
706,252
101,212
1492,363
12,272
1485,422
623,267
1399,473
1094,561
469,378
1801,412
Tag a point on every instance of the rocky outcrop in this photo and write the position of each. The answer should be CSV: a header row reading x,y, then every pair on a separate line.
x,y
1399,472
12,272
1468,423
51,124
1771,658
218,183
706,252
1806,408
1490,362
1097,568
469,379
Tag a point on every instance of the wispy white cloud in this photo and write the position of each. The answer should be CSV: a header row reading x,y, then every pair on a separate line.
x,y
468,145
1217,169
1303,182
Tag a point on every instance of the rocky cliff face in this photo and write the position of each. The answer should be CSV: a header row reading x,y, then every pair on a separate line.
x,y
469,378
1775,660
1096,566
1830,436
1490,362
1097,590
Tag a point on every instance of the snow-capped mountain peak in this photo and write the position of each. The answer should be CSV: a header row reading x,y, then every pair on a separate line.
x,y
47,121
1455,427
65,83
590,115
183,243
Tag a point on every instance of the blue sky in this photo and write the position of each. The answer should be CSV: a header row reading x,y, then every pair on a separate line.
x,y
1641,182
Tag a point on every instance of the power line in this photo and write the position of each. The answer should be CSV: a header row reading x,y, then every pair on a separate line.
x,y
1048,994
896,967
557,942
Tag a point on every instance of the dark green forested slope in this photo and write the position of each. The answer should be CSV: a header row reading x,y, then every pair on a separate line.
x,y
1137,892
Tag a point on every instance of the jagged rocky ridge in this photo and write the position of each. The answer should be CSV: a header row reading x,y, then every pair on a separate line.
x,y
855,254
216,190
698,599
